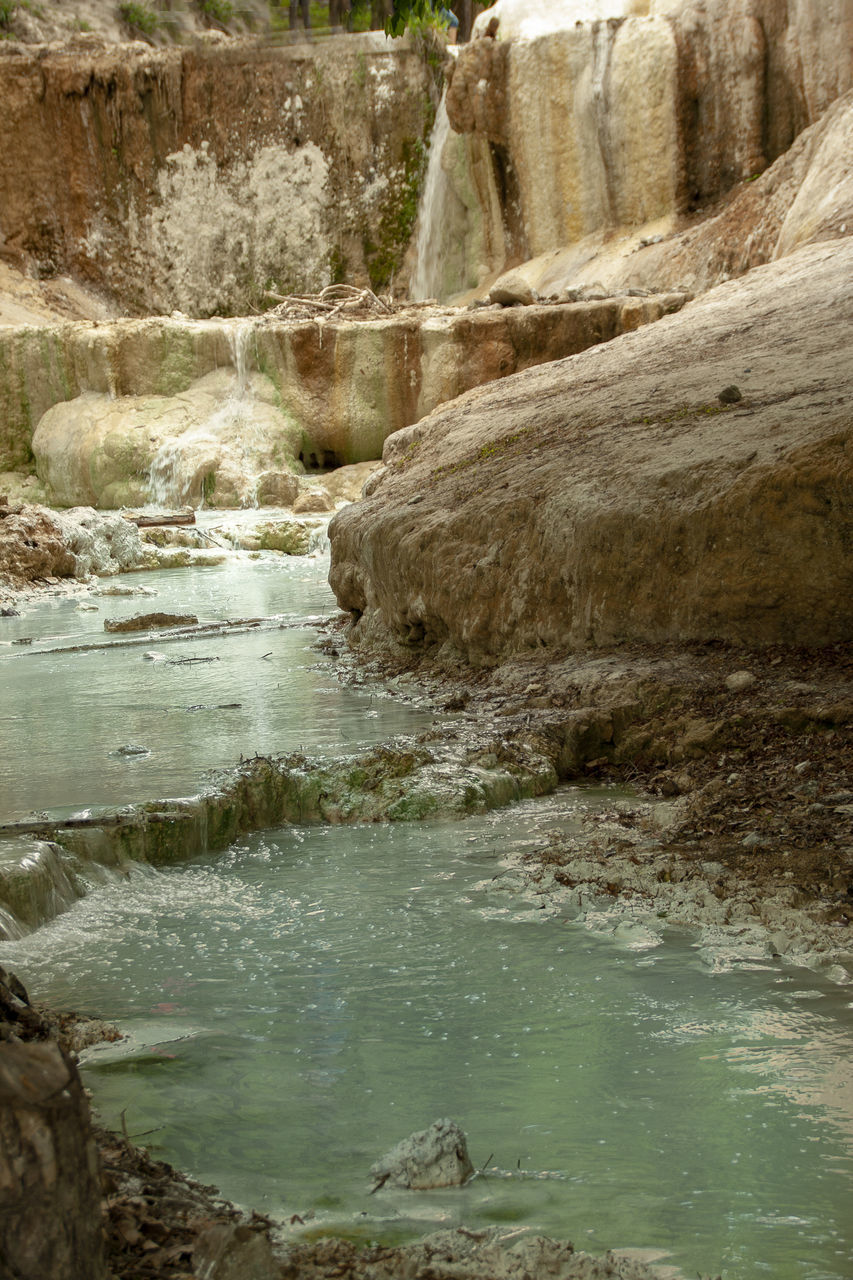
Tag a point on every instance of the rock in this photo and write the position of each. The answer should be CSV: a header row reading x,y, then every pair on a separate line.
x,y
434,1157
183,224
276,488
739,681
604,499
102,544
227,1252
150,621
317,501
512,289
312,397
730,395
627,123
33,545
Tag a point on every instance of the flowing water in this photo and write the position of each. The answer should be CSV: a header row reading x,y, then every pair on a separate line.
x,y
301,1002
426,279
75,697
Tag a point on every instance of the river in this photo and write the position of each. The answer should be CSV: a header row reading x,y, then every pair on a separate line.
x,y
300,1002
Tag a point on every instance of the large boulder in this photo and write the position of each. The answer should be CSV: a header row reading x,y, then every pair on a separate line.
x,y
206,445
614,497
32,545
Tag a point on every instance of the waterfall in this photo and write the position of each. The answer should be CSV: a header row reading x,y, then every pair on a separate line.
x,y
426,277
239,340
184,468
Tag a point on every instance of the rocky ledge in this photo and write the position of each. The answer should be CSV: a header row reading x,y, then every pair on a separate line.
x,y
691,481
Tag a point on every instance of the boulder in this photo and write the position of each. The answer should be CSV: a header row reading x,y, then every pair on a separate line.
x,y
33,545
512,289
313,501
433,1157
612,498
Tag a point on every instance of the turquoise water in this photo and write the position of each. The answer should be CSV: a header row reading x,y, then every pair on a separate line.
x,y
305,1001
300,1003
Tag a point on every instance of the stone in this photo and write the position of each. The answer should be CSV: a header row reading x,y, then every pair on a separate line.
x,y
195,215
80,398
604,125
605,499
33,545
276,488
433,1157
739,681
730,395
149,621
234,1252
512,289
316,501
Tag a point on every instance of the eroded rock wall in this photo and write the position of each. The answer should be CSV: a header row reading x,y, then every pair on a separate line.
x,y
221,402
629,120
197,178
615,497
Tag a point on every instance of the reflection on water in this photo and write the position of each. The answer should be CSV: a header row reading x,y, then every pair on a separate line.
x,y
196,705
301,1003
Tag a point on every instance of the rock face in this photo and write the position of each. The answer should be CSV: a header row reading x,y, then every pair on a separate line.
x,y
434,1157
611,497
196,178
646,112
226,411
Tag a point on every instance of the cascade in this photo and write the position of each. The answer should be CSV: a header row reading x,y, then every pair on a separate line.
x,y
426,278
180,470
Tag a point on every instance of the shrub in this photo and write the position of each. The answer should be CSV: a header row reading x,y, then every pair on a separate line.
x,y
136,16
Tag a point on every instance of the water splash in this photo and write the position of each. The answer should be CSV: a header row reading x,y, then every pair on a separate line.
x,y
426,277
184,468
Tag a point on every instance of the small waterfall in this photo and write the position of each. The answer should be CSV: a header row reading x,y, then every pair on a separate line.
x,y
239,340
426,277
183,470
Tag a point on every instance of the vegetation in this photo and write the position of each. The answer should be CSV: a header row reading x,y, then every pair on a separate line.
x,y
138,17
221,11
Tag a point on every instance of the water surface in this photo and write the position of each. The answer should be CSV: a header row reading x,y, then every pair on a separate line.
x,y
305,1001
68,712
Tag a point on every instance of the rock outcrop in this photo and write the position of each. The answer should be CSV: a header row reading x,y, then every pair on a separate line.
x,y
613,497
633,115
225,411
197,178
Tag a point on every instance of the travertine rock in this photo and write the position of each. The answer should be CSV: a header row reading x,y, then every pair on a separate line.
x,y
632,113
180,411
198,177
32,545
611,497
433,1157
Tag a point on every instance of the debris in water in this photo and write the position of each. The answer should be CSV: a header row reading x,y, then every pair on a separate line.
x,y
145,621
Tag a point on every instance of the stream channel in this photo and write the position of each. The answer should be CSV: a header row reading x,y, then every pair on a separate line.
x,y
299,1003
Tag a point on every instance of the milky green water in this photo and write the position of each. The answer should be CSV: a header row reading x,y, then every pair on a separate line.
x,y
300,1003
194,706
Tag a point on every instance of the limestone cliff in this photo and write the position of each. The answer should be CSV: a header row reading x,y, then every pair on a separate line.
x,y
642,116
616,496
197,178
